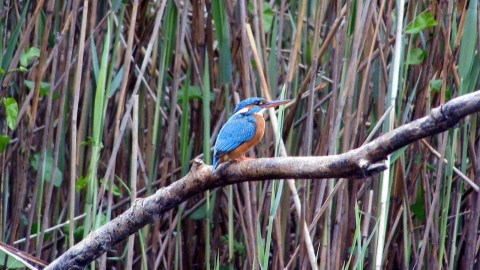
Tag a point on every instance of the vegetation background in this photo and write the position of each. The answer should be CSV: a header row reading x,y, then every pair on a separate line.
x,y
104,101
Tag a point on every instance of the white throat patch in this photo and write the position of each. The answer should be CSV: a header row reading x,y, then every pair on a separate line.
x,y
261,112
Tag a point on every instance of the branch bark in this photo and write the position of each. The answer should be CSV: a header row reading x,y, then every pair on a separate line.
x,y
357,163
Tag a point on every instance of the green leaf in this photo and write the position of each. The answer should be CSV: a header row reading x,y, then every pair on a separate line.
x,y
87,142
116,190
435,85
308,53
93,47
27,57
35,229
431,168
352,18
272,56
48,166
78,233
260,252
422,21
268,15
201,212
23,219
115,5
99,99
237,246
223,36
448,94
206,98
44,87
194,92
468,83
417,158
12,263
417,208
81,183
184,126
12,42
416,56
117,80
4,140
468,49
11,109
397,154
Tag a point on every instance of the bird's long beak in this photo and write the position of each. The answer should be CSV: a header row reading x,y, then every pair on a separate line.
x,y
276,103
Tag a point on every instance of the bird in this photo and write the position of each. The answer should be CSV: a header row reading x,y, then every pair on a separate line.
x,y
243,130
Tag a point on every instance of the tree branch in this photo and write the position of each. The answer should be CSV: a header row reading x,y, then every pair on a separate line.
x,y
356,163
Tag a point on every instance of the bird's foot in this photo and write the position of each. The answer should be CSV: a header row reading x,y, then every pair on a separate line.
x,y
242,158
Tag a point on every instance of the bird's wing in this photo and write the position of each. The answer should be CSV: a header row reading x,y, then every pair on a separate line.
x,y
232,135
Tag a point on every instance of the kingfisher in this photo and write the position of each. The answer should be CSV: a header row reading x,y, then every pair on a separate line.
x,y
243,130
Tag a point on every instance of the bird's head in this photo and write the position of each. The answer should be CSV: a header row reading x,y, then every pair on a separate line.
x,y
257,105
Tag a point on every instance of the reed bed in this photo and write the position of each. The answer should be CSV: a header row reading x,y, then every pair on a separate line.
x,y
106,101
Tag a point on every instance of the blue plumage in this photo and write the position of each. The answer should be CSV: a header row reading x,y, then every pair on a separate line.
x,y
249,102
240,132
239,128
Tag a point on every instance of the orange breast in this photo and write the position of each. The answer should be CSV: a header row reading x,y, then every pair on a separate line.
x,y
244,147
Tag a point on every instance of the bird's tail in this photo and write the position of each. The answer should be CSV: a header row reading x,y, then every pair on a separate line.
x,y
215,163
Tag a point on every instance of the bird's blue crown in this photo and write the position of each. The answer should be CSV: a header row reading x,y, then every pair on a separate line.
x,y
248,102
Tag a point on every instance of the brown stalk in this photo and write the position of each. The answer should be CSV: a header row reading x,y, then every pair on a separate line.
x,y
76,97
289,117
291,185
87,96
339,43
33,115
48,141
243,223
296,45
278,64
263,46
123,123
133,175
363,94
39,74
246,82
244,52
472,227
69,54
